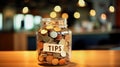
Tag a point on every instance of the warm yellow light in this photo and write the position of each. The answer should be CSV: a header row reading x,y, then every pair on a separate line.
x,y
81,3
65,15
76,15
92,12
25,10
103,16
53,14
112,9
57,8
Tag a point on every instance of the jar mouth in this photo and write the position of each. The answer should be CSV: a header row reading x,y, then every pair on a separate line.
x,y
61,22
53,19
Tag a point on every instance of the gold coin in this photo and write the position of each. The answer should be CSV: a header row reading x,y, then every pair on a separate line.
x,y
52,22
62,61
55,61
57,28
49,27
62,42
66,48
67,38
49,58
43,31
40,58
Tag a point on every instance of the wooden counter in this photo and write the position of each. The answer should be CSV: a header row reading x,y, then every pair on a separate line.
x,y
88,58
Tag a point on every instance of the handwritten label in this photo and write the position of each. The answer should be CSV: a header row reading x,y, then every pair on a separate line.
x,y
53,48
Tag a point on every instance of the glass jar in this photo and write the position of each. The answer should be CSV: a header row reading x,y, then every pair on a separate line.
x,y
54,42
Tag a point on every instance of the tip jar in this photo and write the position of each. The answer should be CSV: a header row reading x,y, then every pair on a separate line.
x,y
53,42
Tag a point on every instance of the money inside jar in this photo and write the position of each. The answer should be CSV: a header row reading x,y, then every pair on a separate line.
x,y
53,42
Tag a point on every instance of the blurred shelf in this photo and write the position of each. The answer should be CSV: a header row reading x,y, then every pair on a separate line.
x,y
97,32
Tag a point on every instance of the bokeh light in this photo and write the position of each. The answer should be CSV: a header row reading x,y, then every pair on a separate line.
x,y
65,15
81,3
53,14
57,8
103,16
25,10
112,9
92,12
76,15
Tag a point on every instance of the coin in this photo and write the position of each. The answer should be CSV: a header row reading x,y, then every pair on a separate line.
x,y
53,34
43,31
62,61
40,58
62,42
55,61
52,23
49,53
44,55
67,38
49,27
66,48
57,28
49,58
63,54
57,55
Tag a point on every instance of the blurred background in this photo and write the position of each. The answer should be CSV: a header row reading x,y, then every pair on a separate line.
x,y
95,24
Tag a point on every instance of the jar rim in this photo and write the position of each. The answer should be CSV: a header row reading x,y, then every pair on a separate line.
x,y
53,18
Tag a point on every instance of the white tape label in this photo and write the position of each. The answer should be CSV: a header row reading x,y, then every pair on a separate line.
x,y
53,47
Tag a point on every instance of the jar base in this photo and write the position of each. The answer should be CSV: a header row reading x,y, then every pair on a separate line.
x,y
46,64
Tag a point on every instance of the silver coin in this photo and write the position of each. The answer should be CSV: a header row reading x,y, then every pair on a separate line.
x,y
53,34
